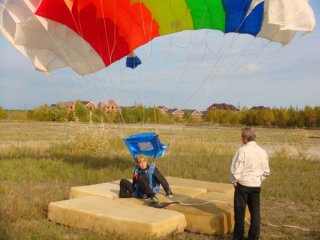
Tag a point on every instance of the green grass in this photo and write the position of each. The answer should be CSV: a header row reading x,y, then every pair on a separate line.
x,y
40,162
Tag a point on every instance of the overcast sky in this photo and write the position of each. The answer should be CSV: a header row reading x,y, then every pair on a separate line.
x,y
185,70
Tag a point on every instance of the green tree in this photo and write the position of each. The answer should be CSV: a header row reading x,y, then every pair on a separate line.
x,y
140,113
58,113
317,115
282,117
309,117
215,116
266,117
81,112
41,113
187,116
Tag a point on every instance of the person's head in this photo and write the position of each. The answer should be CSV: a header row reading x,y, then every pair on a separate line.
x,y
142,161
248,135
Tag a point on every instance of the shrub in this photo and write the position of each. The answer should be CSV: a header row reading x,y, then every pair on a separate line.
x,y
3,114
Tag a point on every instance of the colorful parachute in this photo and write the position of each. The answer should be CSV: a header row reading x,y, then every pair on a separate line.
x,y
88,35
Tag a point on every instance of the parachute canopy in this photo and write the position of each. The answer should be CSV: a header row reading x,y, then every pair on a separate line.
x,y
145,143
88,35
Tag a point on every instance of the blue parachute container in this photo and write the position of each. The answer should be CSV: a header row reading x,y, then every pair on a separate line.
x,y
147,144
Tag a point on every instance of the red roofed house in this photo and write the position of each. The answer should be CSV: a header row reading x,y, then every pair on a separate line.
x,y
112,106
222,106
89,104
195,114
176,112
71,105
163,109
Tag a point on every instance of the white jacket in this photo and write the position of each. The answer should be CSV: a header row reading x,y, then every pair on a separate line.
x,y
250,165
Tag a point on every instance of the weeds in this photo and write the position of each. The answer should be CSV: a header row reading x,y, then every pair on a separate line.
x,y
301,144
40,165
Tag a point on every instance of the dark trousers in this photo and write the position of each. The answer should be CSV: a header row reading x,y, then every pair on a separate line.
x,y
242,196
127,189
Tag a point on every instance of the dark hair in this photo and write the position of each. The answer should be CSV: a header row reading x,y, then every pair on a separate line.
x,y
249,133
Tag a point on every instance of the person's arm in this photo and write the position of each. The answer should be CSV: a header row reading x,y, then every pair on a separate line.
x,y
157,174
134,178
237,167
266,170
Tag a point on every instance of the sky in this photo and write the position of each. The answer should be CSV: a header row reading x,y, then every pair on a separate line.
x,y
192,69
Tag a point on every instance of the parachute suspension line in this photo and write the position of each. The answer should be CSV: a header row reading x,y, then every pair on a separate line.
x,y
142,101
233,81
204,203
184,70
212,70
168,155
80,78
106,32
189,57
69,62
216,66
62,89
181,75
118,95
143,23
140,84
65,91
88,55
229,67
155,119
111,53
96,76
251,59
150,34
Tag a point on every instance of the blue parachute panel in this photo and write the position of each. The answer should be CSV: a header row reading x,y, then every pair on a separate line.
x,y
145,143
237,19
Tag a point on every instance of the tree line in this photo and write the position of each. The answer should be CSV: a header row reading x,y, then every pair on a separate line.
x,y
308,117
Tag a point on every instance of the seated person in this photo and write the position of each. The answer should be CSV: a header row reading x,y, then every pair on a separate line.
x,y
146,182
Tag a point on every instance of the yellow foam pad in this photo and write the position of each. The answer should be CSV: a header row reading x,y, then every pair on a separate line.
x,y
121,217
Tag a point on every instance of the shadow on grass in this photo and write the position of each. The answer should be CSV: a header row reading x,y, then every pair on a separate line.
x,y
96,162
313,235
3,229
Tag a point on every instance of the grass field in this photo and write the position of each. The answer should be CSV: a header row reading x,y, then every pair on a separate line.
x,y
40,162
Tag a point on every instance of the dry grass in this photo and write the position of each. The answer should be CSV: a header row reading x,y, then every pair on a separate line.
x,y
39,163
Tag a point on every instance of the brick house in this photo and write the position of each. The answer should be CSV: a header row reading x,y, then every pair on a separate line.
x,y
176,112
89,104
111,106
71,105
222,106
204,114
194,114
164,109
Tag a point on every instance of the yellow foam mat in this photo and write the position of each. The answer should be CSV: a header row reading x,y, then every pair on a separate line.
x,y
209,213
209,186
207,206
108,190
116,216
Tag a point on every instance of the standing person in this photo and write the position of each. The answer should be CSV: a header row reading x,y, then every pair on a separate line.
x,y
145,183
250,166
